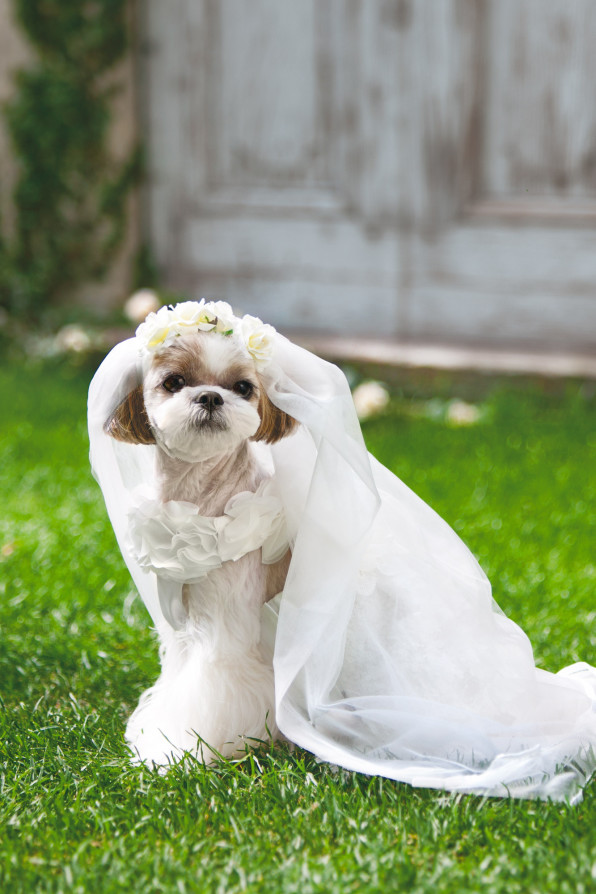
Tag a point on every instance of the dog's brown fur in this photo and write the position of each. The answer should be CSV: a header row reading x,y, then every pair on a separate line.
x,y
129,421
275,424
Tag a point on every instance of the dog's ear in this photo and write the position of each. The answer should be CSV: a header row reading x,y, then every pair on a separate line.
x,y
275,424
129,421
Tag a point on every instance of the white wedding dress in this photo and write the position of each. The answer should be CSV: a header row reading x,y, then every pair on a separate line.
x,y
390,656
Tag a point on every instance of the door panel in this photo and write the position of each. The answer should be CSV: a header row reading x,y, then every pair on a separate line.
x,y
417,170
540,111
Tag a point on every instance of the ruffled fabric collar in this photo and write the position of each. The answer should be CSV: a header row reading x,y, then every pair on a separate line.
x,y
174,541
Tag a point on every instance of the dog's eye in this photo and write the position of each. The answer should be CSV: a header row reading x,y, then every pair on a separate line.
x,y
173,383
244,389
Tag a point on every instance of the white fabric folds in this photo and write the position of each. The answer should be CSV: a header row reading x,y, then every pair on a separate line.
x,y
181,547
390,656
173,540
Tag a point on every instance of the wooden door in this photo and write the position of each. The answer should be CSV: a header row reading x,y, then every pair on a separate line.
x,y
416,169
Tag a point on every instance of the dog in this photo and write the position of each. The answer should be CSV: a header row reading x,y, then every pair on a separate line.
x,y
203,405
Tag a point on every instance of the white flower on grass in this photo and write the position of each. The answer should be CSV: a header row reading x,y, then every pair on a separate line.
x,y
140,304
461,413
258,339
370,398
72,338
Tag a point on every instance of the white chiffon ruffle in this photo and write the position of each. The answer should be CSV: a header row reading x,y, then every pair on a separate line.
x,y
175,545
174,541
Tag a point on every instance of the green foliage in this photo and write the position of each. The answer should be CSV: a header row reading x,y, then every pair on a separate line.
x,y
76,651
145,272
70,195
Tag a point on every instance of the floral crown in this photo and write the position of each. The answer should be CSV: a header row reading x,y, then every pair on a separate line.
x,y
161,329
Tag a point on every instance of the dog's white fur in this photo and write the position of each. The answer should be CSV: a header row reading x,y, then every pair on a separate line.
x,y
215,691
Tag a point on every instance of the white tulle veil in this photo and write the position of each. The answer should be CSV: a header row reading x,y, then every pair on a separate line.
x,y
390,656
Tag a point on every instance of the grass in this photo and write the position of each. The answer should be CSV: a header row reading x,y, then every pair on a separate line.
x,y
76,651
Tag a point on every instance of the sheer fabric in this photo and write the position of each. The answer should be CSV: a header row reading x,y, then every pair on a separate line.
x,y
390,656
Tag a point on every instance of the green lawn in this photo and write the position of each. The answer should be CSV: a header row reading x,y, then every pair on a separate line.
x,y
76,651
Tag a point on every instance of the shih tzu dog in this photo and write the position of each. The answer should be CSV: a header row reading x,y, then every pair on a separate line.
x,y
203,406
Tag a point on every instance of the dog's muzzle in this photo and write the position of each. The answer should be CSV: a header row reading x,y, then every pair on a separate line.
x,y
209,404
209,400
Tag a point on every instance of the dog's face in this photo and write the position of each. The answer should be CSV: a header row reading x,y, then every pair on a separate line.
x,y
201,398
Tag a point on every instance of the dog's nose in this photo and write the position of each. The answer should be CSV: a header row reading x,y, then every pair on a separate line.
x,y
209,400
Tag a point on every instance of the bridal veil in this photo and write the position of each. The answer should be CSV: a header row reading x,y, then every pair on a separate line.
x,y
390,655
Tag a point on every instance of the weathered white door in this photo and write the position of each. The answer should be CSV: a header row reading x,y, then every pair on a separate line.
x,y
423,169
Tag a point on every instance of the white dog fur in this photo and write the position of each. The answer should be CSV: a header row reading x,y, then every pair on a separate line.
x,y
202,404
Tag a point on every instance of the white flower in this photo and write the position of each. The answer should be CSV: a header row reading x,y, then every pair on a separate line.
x,y
188,313
226,321
157,330
162,328
370,398
140,304
258,339
191,315
461,413
173,540
72,338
